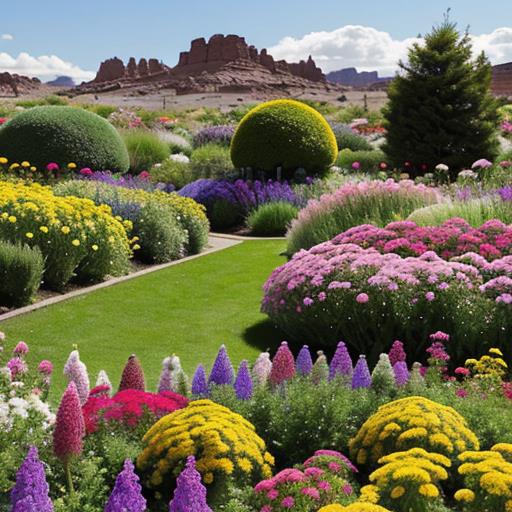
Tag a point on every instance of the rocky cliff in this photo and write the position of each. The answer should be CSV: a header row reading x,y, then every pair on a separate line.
x,y
353,78
221,64
15,85
502,79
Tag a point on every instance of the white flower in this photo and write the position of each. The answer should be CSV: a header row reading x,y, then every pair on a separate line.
x,y
180,157
442,167
468,173
2,336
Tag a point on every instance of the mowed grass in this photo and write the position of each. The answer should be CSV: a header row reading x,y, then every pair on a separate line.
x,y
189,309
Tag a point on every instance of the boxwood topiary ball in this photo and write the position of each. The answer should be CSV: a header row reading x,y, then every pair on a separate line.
x,y
284,133
62,135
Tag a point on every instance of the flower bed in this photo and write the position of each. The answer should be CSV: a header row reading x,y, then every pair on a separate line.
x,y
353,204
342,291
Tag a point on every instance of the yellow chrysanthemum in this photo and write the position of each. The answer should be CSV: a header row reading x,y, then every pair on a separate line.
x,y
465,495
397,492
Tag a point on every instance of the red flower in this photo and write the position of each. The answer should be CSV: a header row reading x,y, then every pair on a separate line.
x,y
133,375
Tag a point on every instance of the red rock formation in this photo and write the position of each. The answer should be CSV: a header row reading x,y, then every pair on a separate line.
x,y
17,84
131,67
502,79
110,69
142,67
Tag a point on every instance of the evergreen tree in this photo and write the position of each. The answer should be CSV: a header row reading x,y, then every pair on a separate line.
x,y
440,108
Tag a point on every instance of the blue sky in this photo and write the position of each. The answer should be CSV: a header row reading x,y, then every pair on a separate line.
x,y
85,32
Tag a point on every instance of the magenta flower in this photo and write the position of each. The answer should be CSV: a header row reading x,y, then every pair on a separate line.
x,y
283,365
52,166
127,493
21,348
362,298
288,502
45,367
190,493
133,375
397,352
17,366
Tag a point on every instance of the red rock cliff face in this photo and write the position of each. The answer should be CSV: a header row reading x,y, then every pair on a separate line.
x,y
114,69
502,79
221,50
17,84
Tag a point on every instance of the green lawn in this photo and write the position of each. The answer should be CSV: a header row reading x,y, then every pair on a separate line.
x,y
188,309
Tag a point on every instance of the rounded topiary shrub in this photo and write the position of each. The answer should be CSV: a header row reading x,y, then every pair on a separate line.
x,y
62,135
284,133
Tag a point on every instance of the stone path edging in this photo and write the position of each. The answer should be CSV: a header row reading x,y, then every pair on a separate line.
x,y
240,237
215,243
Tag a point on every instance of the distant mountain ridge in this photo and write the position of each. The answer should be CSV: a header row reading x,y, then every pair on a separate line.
x,y
62,81
353,78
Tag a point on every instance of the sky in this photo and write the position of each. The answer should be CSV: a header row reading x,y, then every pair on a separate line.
x,y
62,37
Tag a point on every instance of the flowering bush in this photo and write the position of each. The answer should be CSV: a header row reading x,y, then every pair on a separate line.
x,y
378,202
123,118
24,170
127,408
412,422
74,235
337,290
454,237
409,480
323,478
219,134
354,507
227,203
223,442
183,212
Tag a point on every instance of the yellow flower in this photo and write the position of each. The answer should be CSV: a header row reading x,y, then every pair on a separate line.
x,y
95,247
397,492
3,160
208,478
429,490
12,219
136,247
71,165
33,169
76,242
496,351
465,495
29,234
43,229
14,166
25,164
65,229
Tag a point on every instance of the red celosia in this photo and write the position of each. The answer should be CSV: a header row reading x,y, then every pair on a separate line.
x,y
69,426
283,365
129,406
133,375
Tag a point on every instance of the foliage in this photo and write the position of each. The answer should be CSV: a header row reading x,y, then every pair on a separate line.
x,y
59,134
218,134
284,133
211,161
412,422
144,149
74,235
271,219
225,444
440,93
362,160
352,204
172,171
346,138
21,271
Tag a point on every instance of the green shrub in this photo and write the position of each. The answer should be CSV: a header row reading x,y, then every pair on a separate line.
x,y
211,161
284,133
224,215
160,240
21,271
63,134
505,155
346,138
172,171
272,219
103,110
145,149
368,160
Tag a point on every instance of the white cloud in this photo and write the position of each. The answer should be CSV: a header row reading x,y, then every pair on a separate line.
x,y
369,49
45,67
7,37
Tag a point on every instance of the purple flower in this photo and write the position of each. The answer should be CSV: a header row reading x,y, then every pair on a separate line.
x,y
361,377
127,495
222,370
243,382
481,164
430,296
30,492
341,364
190,493
304,361
76,371
21,348
17,366
401,373
362,298
199,384
219,134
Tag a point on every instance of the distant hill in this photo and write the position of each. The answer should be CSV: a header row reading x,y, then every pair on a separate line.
x,y
62,81
354,78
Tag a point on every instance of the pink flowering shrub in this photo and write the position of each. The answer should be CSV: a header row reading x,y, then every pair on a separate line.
x,y
343,291
378,202
324,478
454,237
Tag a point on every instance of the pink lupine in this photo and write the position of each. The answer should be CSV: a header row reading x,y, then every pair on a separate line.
x,y
283,365
76,371
133,375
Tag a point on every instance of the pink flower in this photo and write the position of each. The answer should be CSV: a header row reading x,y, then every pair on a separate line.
x,y
462,371
272,494
308,301
21,348
312,492
283,365
288,502
264,486
86,171
266,508
439,336
362,298
17,367
430,296
324,485
52,166
314,472
347,489
322,296
45,367
356,166
481,164
144,175
461,393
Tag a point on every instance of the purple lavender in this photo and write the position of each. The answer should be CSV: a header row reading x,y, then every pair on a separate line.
x,y
397,352
304,361
190,493
220,134
31,488
243,383
341,364
506,193
222,371
125,181
361,377
127,495
199,384
401,373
